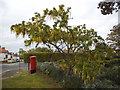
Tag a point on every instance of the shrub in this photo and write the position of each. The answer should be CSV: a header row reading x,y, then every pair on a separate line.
x,y
43,56
109,79
53,70
113,62
113,74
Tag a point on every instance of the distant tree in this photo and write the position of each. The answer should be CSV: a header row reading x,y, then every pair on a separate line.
x,y
31,50
39,49
114,38
43,49
16,54
101,46
105,50
21,51
108,6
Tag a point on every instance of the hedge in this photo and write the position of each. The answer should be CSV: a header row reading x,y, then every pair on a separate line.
x,y
54,71
44,56
51,57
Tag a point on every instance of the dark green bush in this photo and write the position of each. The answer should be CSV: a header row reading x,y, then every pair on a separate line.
x,y
109,79
113,62
59,75
72,81
113,74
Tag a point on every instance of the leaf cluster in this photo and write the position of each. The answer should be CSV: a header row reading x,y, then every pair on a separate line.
x,y
107,7
114,38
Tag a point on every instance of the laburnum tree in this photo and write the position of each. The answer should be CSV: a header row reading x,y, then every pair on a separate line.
x,y
114,39
61,36
108,6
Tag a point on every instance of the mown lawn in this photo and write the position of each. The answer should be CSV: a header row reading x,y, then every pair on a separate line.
x,y
26,80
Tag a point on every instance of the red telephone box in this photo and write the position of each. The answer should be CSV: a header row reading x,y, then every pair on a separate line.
x,y
32,64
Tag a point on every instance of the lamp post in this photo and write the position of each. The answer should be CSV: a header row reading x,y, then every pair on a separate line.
x,y
19,57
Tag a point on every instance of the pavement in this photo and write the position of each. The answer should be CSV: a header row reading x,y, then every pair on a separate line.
x,y
9,69
8,74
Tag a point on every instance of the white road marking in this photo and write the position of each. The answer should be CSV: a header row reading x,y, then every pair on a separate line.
x,y
7,71
12,64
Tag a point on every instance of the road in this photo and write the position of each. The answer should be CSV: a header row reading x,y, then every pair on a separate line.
x,y
9,69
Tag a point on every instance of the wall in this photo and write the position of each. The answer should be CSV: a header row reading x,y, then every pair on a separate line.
x,y
2,56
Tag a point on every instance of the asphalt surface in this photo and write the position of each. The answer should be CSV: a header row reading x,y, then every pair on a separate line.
x,y
9,69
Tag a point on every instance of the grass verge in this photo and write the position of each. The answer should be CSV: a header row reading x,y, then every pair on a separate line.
x,y
26,80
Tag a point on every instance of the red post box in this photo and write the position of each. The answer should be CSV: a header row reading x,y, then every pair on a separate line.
x,y
32,64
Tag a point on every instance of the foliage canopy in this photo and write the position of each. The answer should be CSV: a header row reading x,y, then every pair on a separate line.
x,y
59,35
114,38
107,7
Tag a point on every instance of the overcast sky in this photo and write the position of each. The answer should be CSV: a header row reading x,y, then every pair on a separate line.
x,y
83,12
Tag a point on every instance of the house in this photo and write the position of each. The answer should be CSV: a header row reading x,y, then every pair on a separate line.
x,y
5,54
